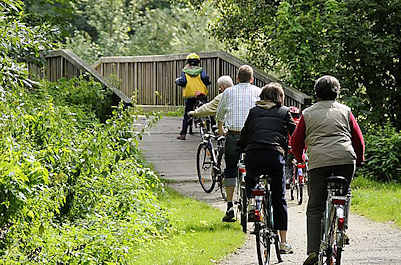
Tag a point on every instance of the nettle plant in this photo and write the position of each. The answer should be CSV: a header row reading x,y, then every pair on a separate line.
x,y
72,189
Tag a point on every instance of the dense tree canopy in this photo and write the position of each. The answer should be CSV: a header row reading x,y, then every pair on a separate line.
x,y
357,41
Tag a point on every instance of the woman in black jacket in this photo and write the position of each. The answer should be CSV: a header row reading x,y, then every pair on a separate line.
x,y
264,139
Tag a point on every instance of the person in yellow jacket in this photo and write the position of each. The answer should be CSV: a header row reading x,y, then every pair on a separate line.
x,y
194,81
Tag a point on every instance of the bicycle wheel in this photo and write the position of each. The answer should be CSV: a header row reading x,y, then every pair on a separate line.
x,y
299,188
262,244
204,165
220,179
292,188
262,233
244,208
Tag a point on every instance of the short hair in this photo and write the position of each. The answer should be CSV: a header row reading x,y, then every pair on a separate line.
x,y
274,92
225,81
245,73
327,87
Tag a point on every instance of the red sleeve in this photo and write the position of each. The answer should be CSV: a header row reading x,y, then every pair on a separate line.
x,y
298,139
357,140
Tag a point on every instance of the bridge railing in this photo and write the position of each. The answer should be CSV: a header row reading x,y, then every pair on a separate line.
x,y
151,79
65,64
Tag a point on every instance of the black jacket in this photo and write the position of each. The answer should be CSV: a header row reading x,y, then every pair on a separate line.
x,y
267,129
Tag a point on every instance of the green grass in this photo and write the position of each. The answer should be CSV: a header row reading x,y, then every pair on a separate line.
x,y
199,236
380,202
177,113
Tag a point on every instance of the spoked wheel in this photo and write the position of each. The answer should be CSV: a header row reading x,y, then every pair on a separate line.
x,y
244,208
220,179
204,165
300,188
292,188
262,244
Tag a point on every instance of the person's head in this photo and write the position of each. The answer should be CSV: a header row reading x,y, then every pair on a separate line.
x,y
223,82
327,87
245,74
295,113
193,59
273,92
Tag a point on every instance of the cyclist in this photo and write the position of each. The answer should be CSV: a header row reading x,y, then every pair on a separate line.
x,y
265,141
232,111
194,81
295,114
210,108
335,145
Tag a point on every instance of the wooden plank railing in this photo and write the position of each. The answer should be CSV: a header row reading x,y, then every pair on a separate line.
x,y
65,64
151,79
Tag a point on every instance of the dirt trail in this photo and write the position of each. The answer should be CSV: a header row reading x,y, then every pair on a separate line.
x,y
370,242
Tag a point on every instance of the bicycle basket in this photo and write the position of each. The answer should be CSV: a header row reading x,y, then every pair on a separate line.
x,y
337,185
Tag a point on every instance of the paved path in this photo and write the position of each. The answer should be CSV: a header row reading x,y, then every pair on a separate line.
x,y
371,243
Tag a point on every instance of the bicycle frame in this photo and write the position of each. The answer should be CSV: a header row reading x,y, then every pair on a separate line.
x,y
264,224
334,222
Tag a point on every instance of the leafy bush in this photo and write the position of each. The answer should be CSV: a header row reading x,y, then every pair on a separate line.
x,y
383,149
73,190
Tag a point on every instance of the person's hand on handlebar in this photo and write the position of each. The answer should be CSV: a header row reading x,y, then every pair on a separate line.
x,y
191,113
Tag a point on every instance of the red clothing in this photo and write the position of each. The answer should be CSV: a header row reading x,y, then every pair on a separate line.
x,y
298,140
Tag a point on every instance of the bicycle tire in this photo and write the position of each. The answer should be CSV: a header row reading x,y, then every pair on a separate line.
x,y
292,188
204,166
277,247
244,208
300,190
262,244
220,179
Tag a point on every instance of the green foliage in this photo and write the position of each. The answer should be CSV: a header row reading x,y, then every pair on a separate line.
x,y
383,149
142,28
73,190
356,41
19,43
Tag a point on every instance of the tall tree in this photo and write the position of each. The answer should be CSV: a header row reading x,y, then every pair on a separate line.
x,y
357,41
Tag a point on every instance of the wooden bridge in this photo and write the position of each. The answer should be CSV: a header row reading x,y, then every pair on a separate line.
x,y
150,80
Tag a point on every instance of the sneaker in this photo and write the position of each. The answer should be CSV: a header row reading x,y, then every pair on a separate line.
x,y
286,248
181,137
312,259
229,216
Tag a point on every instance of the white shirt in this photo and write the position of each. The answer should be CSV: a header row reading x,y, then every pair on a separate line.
x,y
235,104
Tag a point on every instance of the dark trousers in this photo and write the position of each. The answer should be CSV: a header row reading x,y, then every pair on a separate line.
x,y
232,154
272,162
189,106
317,191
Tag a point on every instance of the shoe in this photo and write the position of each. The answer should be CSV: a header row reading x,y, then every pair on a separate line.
x,y
181,137
229,216
285,248
312,259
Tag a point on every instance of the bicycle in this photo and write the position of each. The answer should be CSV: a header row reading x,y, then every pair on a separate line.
x,y
210,162
262,216
298,180
334,222
240,199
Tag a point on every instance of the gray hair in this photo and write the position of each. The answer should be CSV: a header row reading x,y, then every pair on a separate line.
x,y
225,81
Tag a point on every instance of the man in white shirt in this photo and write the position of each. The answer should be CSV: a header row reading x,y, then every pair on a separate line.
x,y
210,108
232,111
